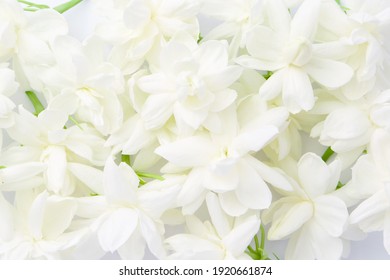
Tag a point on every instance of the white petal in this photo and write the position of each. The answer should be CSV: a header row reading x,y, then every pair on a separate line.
x,y
134,247
223,176
192,187
346,123
218,217
90,176
273,86
7,219
53,119
280,23
157,110
331,214
300,246
213,57
304,23
289,218
330,73
36,215
314,175
59,213
252,139
223,78
21,172
152,236
325,246
266,46
117,228
120,183
297,90
136,15
371,207
252,191
231,205
188,152
56,169
189,246
271,175
223,99
156,84
241,236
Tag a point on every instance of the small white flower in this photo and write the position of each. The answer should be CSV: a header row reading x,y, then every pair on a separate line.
x,y
192,84
287,48
223,238
126,218
311,217
40,227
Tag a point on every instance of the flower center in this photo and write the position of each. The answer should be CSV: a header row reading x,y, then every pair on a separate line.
x,y
298,52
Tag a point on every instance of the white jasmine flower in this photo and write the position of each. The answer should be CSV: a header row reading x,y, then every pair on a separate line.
x,y
8,87
82,83
348,125
137,26
238,18
373,214
363,30
287,48
39,227
222,238
126,217
222,163
64,151
311,217
192,84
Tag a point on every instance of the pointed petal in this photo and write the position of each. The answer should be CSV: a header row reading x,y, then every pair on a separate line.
x,y
297,90
231,205
271,175
152,236
375,205
218,217
241,236
222,79
120,183
178,152
314,175
134,247
59,213
90,176
289,218
304,23
273,86
330,73
117,228
252,191
331,214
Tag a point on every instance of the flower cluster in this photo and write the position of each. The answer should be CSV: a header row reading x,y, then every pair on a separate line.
x,y
148,137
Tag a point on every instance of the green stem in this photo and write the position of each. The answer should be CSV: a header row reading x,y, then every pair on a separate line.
x,y
262,243
125,159
257,245
35,102
327,154
149,175
66,6
31,4
339,185
73,120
